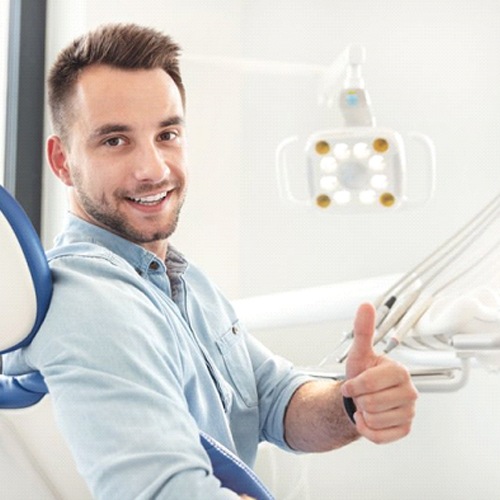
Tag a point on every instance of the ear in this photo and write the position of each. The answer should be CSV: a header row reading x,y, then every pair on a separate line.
x,y
57,156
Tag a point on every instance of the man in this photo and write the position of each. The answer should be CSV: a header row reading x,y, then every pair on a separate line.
x,y
139,349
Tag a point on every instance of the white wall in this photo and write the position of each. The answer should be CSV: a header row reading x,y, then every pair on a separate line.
x,y
4,29
432,66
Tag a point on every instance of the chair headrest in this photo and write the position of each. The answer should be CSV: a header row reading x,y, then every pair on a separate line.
x,y
25,279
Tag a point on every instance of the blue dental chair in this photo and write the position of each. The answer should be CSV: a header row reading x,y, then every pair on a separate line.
x,y
25,293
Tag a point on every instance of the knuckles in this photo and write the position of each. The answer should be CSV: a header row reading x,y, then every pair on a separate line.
x,y
384,436
387,374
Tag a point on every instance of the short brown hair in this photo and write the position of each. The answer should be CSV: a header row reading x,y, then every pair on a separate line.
x,y
125,46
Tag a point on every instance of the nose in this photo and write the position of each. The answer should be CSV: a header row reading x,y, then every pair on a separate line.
x,y
151,164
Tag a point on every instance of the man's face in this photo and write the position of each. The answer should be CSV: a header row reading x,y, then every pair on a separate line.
x,y
125,154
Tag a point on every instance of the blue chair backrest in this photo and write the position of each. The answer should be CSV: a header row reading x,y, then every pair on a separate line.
x,y
25,293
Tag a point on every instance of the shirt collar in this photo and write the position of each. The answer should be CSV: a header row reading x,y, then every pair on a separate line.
x,y
77,230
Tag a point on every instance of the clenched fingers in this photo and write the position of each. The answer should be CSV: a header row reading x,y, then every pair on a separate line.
x,y
385,398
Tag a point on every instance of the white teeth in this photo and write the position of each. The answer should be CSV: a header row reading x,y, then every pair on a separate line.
x,y
150,200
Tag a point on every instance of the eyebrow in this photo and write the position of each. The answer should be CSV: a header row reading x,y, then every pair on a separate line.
x,y
174,120
113,128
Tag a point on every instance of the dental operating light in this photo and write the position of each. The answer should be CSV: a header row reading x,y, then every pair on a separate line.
x,y
359,167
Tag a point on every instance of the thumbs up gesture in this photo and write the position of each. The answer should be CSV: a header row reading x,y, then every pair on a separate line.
x,y
381,388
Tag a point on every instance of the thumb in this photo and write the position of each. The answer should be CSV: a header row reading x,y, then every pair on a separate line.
x,y
361,354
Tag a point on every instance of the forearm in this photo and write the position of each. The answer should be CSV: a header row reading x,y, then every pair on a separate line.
x,y
316,420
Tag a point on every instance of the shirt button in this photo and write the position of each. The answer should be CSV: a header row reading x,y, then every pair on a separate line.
x,y
154,266
235,330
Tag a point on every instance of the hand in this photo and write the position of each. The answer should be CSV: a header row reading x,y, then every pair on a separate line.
x,y
381,388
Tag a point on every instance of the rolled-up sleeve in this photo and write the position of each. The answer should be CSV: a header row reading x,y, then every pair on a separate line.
x,y
277,380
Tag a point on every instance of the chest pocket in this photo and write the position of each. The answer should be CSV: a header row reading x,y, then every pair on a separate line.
x,y
234,352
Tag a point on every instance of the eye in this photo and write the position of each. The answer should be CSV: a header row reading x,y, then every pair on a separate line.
x,y
114,141
168,136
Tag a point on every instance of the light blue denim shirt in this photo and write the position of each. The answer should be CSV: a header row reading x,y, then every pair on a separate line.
x,y
138,356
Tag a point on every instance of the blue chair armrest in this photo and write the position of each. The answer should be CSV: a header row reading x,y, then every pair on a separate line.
x,y
21,391
232,472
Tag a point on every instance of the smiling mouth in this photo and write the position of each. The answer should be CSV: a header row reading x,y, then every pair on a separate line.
x,y
154,199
